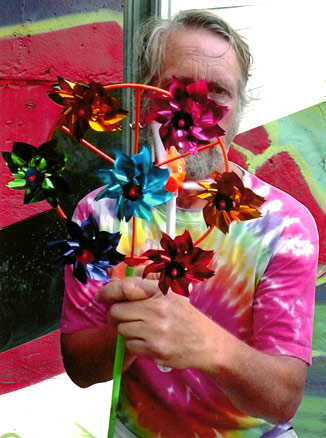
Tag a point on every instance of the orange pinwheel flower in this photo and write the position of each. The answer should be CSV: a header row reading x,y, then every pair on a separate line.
x,y
228,200
87,106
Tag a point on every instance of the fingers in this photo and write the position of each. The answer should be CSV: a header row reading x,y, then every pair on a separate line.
x,y
139,273
127,311
127,289
135,343
137,347
131,330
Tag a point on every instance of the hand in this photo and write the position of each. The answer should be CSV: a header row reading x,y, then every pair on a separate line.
x,y
167,328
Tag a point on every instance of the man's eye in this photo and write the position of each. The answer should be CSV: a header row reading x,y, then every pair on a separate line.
x,y
219,94
219,90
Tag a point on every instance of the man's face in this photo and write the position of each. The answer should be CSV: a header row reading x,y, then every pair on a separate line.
x,y
196,54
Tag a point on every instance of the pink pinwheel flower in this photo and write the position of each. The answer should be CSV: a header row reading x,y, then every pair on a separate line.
x,y
188,120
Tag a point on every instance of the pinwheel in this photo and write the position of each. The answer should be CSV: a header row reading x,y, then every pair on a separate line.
x,y
87,106
179,263
136,184
228,200
188,120
37,171
89,250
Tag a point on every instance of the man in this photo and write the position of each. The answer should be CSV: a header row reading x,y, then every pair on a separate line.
x,y
239,347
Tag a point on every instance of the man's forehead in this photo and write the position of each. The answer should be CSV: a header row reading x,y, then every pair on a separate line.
x,y
202,41
191,63
195,50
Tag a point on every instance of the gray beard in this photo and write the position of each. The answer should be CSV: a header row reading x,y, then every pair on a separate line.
x,y
201,165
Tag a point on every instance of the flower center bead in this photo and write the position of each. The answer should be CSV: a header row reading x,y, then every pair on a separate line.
x,y
222,205
132,192
33,177
182,120
85,257
174,270
223,202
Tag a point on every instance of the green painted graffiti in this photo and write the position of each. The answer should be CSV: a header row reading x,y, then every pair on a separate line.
x,y
10,435
85,433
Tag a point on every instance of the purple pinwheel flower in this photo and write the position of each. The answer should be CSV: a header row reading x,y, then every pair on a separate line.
x,y
89,250
188,120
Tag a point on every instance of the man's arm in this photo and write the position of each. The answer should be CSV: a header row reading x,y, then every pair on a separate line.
x,y
88,355
176,334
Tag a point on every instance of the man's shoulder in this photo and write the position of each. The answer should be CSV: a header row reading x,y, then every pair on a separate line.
x,y
276,199
90,205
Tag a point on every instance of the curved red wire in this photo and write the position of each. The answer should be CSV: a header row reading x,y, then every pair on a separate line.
x,y
139,88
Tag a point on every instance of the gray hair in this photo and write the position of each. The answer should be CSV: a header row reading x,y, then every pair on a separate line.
x,y
153,34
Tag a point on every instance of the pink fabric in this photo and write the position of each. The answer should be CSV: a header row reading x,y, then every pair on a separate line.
x,y
263,293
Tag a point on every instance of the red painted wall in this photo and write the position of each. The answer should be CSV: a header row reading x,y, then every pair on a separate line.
x,y
32,63
28,66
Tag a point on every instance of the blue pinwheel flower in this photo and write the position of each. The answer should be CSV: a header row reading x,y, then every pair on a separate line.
x,y
89,250
136,184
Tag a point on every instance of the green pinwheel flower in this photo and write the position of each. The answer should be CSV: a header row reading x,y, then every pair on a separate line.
x,y
37,171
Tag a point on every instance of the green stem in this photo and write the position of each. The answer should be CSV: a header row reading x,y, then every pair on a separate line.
x,y
117,373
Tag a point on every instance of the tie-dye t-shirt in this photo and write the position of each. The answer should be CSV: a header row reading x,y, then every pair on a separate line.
x,y
263,293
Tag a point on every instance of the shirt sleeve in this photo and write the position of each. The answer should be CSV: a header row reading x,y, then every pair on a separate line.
x,y
80,310
283,307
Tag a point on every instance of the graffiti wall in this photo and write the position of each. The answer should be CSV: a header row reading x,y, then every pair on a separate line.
x,y
39,41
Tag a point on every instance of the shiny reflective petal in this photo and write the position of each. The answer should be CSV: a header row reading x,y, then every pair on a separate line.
x,y
228,201
136,183
87,106
190,118
179,263
38,171
90,251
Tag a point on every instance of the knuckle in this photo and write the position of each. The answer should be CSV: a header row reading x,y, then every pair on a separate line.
x,y
112,311
159,347
127,287
163,310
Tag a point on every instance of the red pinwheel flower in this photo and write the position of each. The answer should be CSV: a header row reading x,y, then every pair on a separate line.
x,y
188,120
179,263
87,106
228,200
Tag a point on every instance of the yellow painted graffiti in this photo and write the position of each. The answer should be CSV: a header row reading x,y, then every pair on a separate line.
x,y
62,22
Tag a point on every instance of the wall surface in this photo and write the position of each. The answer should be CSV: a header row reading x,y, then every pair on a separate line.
x,y
40,40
